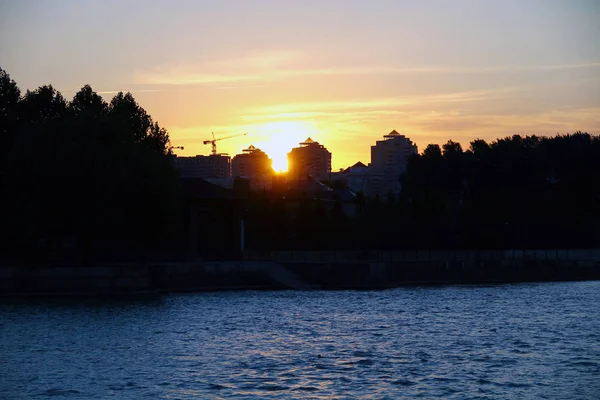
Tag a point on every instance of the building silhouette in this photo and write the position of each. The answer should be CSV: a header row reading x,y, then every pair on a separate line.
x,y
356,177
388,161
310,159
389,156
382,176
214,166
254,164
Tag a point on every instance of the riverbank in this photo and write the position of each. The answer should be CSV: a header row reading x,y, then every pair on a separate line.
x,y
304,270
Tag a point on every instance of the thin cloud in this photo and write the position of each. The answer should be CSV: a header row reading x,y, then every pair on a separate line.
x,y
384,104
282,116
541,123
266,60
247,68
272,67
131,91
242,87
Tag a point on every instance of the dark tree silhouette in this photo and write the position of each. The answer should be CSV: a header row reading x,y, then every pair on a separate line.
x,y
87,103
513,192
44,105
85,174
97,178
9,115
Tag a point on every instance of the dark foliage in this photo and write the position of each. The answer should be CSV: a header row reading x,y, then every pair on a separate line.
x,y
516,192
94,180
83,178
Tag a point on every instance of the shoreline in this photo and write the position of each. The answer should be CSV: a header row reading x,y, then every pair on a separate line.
x,y
301,271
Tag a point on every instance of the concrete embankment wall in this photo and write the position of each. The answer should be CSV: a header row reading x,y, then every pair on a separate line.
x,y
393,268
305,270
116,279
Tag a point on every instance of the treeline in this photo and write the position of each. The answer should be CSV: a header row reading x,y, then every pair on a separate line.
x,y
95,178
516,192
83,174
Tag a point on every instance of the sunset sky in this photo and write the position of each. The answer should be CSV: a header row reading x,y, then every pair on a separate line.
x,y
343,72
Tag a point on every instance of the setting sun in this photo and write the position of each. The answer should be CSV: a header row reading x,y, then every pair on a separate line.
x,y
278,138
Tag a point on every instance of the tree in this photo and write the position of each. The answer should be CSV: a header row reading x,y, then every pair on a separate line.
x,y
86,102
9,115
479,147
127,116
433,152
87,171
43,105
452,149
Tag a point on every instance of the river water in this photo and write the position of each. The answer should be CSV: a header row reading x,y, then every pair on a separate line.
x,y
505,341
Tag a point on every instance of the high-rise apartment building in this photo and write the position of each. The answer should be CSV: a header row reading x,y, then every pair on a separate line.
x,y
255,165
389,156
388,161
311,158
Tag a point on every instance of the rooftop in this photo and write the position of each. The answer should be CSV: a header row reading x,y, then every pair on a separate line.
x,y
358,165
252,149
393,134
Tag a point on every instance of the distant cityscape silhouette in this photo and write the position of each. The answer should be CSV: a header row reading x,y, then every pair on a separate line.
x,y
85,179
310,160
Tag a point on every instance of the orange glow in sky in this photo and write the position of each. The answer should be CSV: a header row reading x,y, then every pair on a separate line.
x,y
342,72
277,138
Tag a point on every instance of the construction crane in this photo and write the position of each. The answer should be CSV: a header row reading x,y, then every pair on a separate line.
x,y
214,141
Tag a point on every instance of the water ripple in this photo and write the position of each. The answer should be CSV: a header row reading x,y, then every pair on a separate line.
x,y
507,341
